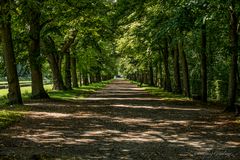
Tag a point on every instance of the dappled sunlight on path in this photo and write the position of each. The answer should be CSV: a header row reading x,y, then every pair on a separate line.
x,y
121,122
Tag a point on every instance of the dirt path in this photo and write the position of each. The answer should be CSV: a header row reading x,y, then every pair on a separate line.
x,y
120,122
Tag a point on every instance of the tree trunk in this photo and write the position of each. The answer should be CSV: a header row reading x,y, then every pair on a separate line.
x,y
14,93
177,77
67,75
167,80
232,88
160,71
74,72
80,78
204,64
98,75
185,71
156,76
38,91
57,76
151,75
85,78
53,59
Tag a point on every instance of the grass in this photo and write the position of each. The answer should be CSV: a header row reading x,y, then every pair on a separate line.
x,y
166,97
8,118
78,93
9,115
26,93
164,94
21,82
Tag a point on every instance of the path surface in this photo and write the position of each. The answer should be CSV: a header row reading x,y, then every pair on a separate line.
x,y
120,122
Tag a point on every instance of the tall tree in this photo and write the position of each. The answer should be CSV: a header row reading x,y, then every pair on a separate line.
x,y
203,62
38,91
177,77
185,71
74,71
167,80
67,75
233,34
53,57
66,52
14,93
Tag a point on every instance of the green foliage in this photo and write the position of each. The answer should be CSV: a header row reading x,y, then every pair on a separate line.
x,y
125,37
7,118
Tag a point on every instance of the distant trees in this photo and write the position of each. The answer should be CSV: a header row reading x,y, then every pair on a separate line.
x,y
188,47
195,33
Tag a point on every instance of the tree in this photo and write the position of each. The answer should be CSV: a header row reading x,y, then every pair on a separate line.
x,y
14,93
233,34
34,10
53,58
167,80
203,62
177,77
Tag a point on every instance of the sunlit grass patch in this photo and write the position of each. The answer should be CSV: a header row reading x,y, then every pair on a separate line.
x,y
166,97
164,94
7,118
139,84
25,91
78,93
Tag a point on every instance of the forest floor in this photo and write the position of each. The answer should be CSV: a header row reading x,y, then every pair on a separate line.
x,y
121,121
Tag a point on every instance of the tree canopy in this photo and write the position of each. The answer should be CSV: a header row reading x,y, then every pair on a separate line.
x,y
186,47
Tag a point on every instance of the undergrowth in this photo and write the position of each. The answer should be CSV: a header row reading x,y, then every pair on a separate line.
x,y
7,118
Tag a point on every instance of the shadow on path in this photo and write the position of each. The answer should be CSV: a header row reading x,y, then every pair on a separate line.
x,y
120,122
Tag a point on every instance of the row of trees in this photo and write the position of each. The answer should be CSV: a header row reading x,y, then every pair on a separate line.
x,y
72,39
188,47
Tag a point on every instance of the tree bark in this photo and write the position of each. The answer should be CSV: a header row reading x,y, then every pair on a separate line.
x,y
80,78
14,93
53,59
85,78
232,88
151,75
185,71
204,63
65,50
167,80
67,75
98,75
74,72
177,77
160,71
38,91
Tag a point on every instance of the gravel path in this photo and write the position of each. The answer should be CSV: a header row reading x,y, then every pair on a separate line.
x,y
121,122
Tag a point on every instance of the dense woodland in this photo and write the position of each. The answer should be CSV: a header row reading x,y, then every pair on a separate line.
x,y
188,47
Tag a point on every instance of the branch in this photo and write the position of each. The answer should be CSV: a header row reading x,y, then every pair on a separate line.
x,y
69,42
45,23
